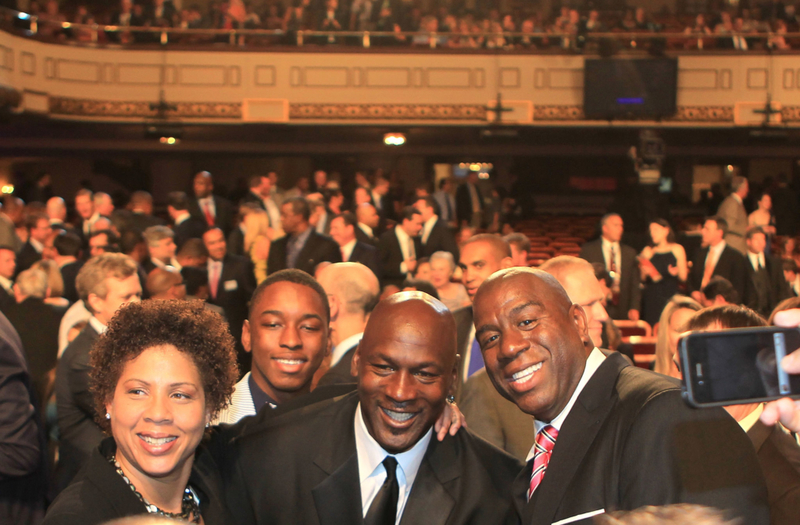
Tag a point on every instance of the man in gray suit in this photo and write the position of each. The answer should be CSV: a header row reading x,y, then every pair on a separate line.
x,y
732,210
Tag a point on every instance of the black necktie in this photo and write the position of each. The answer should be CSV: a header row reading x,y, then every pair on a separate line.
x,y
383,510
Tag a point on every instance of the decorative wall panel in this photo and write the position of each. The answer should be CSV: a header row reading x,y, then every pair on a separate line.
x,y
202,75
78,71
264,76
449,77
6,58
139,74
697,79
184,110
510,77
327,77
393,77
565,78
757,78
386,112
27,63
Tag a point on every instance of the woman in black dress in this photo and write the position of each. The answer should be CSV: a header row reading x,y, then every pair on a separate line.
x,y
160,374
663,266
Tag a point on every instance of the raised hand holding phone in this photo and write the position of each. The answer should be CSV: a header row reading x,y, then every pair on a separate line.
x,y
786,410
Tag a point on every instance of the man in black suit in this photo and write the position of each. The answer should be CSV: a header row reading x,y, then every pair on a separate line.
x,y
620,261
8,265
436,236
261,194
67,250
105,283
343,231
38,231
767,285
37,325
370,457
353,292
778,453
160,248
23,467
231,282
210,208
184,226
609,435
399,248
368,222
469,202
301,247
141,215
717,258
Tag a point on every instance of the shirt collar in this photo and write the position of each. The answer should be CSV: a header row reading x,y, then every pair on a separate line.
x,y
8,284
402,236
608,244
737,198
751,418
344,346
371,454
428,226
366,229
348,248
260,398
181,218
98,326
39,247
718,248
593,362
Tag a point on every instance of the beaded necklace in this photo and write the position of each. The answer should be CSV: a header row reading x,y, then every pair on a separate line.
x,y
190,505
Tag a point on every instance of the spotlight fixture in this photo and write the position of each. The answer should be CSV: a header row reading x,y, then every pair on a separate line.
x,y
169,141
7,189
394,139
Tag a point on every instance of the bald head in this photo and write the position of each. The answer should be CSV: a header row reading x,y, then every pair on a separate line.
x,y
480,256
165,283
508,275
56,209
406,368
353,285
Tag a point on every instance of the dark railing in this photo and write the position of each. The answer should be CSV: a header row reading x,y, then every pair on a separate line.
x,y
34,26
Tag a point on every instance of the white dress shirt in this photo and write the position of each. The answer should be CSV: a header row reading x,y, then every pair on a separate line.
x,y
607,245
7,284
593,362
173,262
371,473
207,203
183,217
714,253
98,326
366,229
39,247
756,260
403,239
344,346
347,250
427,227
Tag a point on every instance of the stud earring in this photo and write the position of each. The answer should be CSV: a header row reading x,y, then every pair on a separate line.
x,y
108,416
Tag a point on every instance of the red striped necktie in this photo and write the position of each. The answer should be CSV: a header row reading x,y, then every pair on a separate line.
x,y
545,441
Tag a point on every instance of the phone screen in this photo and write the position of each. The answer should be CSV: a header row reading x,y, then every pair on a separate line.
x,y
738,366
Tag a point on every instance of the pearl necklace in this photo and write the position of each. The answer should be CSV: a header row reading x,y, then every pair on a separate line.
x,y
190,505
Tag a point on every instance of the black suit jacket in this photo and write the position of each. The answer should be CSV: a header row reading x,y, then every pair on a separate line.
x,y
26,257
236,242
99,494
23,468
141,221
440,239
464,202
236,286
463,317
731,265
779,456
630,296
340,372
37,325
69,272
367,255
391,257
778,287
191,228
318,248
79,434
224,213
303,469
6,299
630,440
361,236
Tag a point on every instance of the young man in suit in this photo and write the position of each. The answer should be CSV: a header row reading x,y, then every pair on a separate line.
x,y
210,208
353,292
399,248
231,282
778,452
287,335
469,202
608,435
301,247
717,258
620,261
38,231
767,284
66,250
370,456
343,231
732,210
436,235
105,283
368,222
140,217
185,226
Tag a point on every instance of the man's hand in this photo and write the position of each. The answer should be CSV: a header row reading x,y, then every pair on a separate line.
x,y
633,315
411,264
450,421
786,410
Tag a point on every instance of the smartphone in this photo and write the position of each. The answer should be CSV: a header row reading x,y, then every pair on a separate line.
x,y
737,366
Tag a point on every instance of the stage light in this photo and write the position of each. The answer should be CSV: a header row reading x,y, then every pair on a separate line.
x,y
169,141
7,189
394,139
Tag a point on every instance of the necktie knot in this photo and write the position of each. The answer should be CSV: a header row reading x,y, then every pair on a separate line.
x,y
543,448
390,464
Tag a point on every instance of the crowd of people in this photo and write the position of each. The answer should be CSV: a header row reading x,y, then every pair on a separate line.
x,y
437,24
306,355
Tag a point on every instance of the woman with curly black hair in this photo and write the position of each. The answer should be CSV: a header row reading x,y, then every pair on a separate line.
x,y
160,374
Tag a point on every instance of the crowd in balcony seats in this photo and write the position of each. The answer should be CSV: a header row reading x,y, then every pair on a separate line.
x,y
323,335
449,25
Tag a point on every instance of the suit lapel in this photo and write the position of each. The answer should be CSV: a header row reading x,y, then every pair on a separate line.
x,y
576,436
439,466
305,256
338,497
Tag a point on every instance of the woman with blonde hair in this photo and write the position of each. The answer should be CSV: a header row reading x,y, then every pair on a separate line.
x,y
670,326
55,282
257,241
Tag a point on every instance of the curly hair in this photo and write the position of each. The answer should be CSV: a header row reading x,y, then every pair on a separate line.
x,y
187,325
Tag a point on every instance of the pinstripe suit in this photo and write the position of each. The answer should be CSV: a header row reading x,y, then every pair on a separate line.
x,y
241,404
